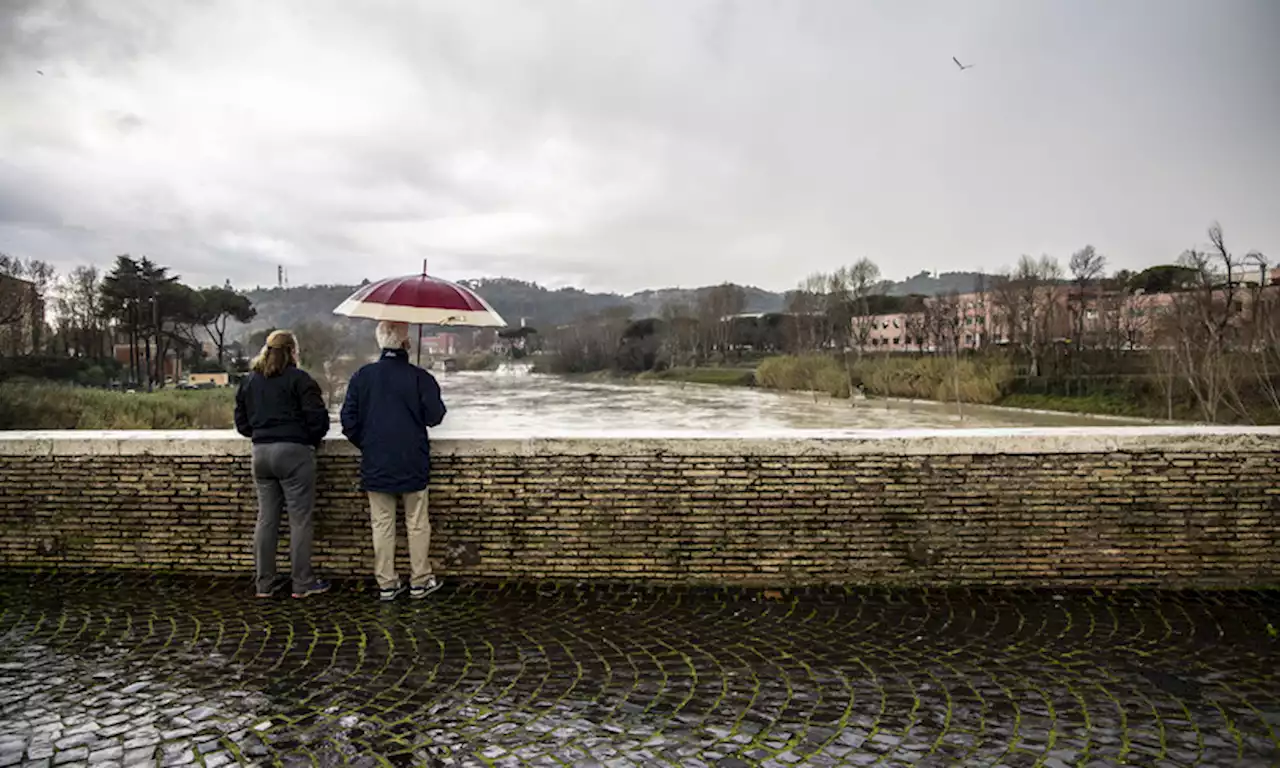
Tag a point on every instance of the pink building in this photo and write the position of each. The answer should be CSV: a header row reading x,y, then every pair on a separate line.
x,y
440,344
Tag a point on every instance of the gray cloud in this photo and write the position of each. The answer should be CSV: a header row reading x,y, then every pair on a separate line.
x,y
628,145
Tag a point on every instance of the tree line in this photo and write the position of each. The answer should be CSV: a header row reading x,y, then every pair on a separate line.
x,y
137,303
1202,333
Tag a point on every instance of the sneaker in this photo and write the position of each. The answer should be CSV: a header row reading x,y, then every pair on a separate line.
x,y
317,588
276,585
388,594
419,592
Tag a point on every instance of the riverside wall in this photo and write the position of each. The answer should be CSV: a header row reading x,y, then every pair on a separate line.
x,y
1149,506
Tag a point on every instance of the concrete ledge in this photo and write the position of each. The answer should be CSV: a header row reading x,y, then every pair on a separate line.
x,y
922,442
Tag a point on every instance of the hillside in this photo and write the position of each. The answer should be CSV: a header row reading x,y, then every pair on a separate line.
x,y
540,307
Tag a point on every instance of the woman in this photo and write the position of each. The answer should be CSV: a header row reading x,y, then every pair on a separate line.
x,y
280,408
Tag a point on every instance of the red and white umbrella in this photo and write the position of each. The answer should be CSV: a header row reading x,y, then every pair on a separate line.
x,y
423,300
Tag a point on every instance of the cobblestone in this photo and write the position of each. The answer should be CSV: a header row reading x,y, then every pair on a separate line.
x,y
199,672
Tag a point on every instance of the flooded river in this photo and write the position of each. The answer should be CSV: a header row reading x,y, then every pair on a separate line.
x,y
518,403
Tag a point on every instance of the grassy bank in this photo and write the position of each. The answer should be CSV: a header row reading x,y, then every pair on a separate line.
x,y
921,378
61,406
1104,405
728,377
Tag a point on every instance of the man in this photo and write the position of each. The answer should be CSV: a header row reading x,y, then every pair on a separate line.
x,y
389,406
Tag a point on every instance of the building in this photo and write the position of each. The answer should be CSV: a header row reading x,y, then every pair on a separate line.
x,y
172,361
440,344
21,316
203,380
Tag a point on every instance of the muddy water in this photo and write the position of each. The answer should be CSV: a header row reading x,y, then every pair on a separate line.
x,y
519,403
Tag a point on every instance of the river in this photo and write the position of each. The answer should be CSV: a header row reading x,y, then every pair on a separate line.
x,y
515,402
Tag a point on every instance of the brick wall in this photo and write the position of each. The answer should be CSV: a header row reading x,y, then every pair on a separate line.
x,y
1163,507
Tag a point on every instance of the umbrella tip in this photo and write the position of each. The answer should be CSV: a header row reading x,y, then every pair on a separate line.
x,y
424,267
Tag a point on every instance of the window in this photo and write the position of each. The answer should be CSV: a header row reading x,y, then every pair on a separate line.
x,y
895,324
897,340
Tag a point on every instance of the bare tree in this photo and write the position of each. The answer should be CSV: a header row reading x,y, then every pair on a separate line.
x,y
1202,326
716,307
805,307
23,288
82,321
857,284
680,341
1027,307
1087,267
916,327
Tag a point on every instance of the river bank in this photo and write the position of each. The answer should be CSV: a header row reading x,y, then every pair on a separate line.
x,y
927,379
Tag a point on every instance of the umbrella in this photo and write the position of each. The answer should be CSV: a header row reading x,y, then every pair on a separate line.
x,y
423,300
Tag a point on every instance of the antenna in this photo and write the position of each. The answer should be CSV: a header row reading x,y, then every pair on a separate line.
x,y
279,276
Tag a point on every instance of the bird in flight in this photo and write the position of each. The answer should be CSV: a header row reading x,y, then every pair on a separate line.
x,y
40,72
962,67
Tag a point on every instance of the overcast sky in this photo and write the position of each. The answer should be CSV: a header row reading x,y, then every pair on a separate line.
x,y
627,145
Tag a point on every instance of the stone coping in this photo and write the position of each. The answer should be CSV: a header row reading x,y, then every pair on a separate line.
x,y
940,442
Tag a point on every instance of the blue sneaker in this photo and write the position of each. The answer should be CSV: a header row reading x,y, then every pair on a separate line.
x,y
318,587
389,594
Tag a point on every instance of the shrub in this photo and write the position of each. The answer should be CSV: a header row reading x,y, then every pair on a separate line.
x,y
36,405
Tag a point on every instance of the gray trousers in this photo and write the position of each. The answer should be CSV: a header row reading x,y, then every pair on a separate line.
x,y
285,474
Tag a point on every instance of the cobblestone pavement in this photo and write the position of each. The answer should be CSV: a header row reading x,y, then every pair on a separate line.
x,y
113,670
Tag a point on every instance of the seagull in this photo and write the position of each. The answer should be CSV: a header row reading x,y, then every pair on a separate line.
x,y
962,67
40,72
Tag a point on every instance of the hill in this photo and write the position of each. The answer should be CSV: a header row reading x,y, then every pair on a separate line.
x,y
540,307
931,284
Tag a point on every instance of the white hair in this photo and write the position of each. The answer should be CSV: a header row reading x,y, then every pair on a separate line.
x,y
392,335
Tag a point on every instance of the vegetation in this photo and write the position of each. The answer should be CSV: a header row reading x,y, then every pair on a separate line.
x,y
79,370
37,405
970,380
727,377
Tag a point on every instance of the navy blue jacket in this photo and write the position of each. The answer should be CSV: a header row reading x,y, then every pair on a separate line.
x,y
389,406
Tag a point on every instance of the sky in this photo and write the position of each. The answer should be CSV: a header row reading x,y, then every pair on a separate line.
x,y
623,145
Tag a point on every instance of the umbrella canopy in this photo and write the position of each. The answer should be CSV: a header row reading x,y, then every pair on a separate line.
x,y
423,300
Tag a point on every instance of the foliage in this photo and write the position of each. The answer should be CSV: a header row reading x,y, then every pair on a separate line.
x,y
30,405
726,377
23,287
969,379
85,371
804,373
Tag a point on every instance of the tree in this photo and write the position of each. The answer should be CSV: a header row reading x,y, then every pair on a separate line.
x,y
680,339
23,287
715,308
1164,278
1027,307
1087,267
326,354
804,306
219,306
1201,327
858,283
157,312
82,321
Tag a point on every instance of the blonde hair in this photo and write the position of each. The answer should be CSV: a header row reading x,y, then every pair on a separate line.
x,y
392,335
280,351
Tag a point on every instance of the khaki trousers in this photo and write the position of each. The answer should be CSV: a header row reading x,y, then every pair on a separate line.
x,y
382,513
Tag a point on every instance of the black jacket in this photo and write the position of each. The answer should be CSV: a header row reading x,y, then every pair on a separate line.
x,y
281,409
389,406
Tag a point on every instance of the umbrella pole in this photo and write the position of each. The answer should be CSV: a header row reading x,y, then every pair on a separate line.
x,y
419,345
